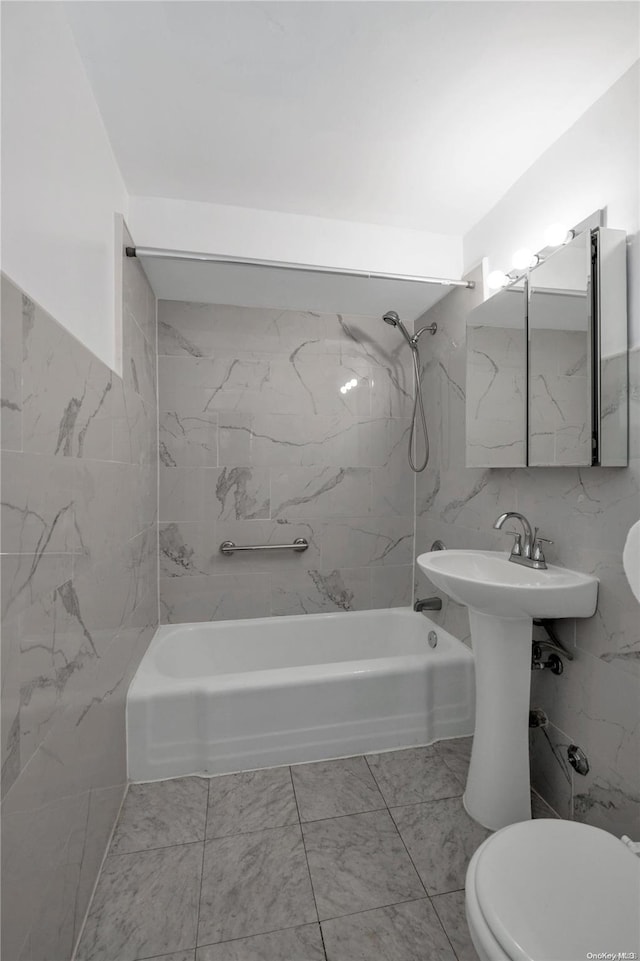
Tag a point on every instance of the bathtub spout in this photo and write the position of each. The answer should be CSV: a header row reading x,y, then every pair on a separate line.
x,y
428,604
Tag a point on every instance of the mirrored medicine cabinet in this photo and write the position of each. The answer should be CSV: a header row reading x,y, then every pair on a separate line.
x,y
546,377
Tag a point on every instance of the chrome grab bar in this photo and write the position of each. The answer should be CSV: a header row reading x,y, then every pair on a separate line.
x,y
300,544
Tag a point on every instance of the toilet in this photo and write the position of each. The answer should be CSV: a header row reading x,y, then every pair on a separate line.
x,y
551,890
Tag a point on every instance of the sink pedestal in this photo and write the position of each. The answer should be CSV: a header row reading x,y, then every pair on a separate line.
x,y
498,791
503,598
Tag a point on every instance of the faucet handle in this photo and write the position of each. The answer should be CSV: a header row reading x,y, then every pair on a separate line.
x,y
516,550
537,553
537,539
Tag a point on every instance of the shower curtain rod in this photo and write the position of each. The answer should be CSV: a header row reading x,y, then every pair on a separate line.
x,y
285,265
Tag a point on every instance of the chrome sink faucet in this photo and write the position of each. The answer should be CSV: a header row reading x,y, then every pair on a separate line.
x,y
527,552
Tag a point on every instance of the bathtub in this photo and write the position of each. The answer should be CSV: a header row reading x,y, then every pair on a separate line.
x,y
228,696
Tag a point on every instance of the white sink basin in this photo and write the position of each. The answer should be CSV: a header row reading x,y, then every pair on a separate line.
x,y
489,582
503,598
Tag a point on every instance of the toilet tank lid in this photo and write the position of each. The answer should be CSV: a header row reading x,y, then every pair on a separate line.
x,y
553,890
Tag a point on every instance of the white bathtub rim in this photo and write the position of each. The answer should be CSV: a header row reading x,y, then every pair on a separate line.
x,y
154,683
150,680
165,629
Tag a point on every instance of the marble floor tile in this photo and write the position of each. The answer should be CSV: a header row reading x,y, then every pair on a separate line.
x,y
329,789
358,862
303,943
414,775
254,883
456,753
440,837
250,801
403,932
180,956
145,904
450,908
161,813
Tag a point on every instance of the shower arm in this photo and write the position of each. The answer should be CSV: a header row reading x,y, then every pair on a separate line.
x,y
432,328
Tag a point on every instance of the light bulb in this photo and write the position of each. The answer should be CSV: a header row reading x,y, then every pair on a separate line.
x,y
497,279
524,258
353,383
343,390
557,234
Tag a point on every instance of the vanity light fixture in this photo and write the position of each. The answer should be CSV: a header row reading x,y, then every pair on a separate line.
x,y
556,235
497,279
525,258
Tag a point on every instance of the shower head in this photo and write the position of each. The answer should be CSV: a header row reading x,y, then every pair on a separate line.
x,y
392,318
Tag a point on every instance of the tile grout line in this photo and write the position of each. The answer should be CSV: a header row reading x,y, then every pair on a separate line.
x,y
413,863
160,957
99,874
418,875
306,857
446,933
381,907
161,847
415,804
204,846
244,937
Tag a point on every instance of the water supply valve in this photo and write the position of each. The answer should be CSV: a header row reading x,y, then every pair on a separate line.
x,y
578,759
553,663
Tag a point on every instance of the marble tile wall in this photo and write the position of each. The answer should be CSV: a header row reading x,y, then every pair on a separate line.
x,y
79,603
259,445
587,512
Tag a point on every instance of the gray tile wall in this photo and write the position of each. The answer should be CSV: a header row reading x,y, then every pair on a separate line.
x,y
587,512
79,603
259,445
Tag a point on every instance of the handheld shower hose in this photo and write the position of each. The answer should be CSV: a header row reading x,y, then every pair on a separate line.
x,y
392,318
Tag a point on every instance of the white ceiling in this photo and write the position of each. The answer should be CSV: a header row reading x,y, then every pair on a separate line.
x,y
410,114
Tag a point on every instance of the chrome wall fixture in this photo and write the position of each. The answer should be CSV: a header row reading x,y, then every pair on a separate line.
x,y
229,547
428,604
578,760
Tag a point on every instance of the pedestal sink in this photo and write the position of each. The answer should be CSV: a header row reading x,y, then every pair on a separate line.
x,y
503,598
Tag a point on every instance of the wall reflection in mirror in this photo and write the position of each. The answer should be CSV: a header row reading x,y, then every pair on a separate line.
x,y
497,381
547,362
560,357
